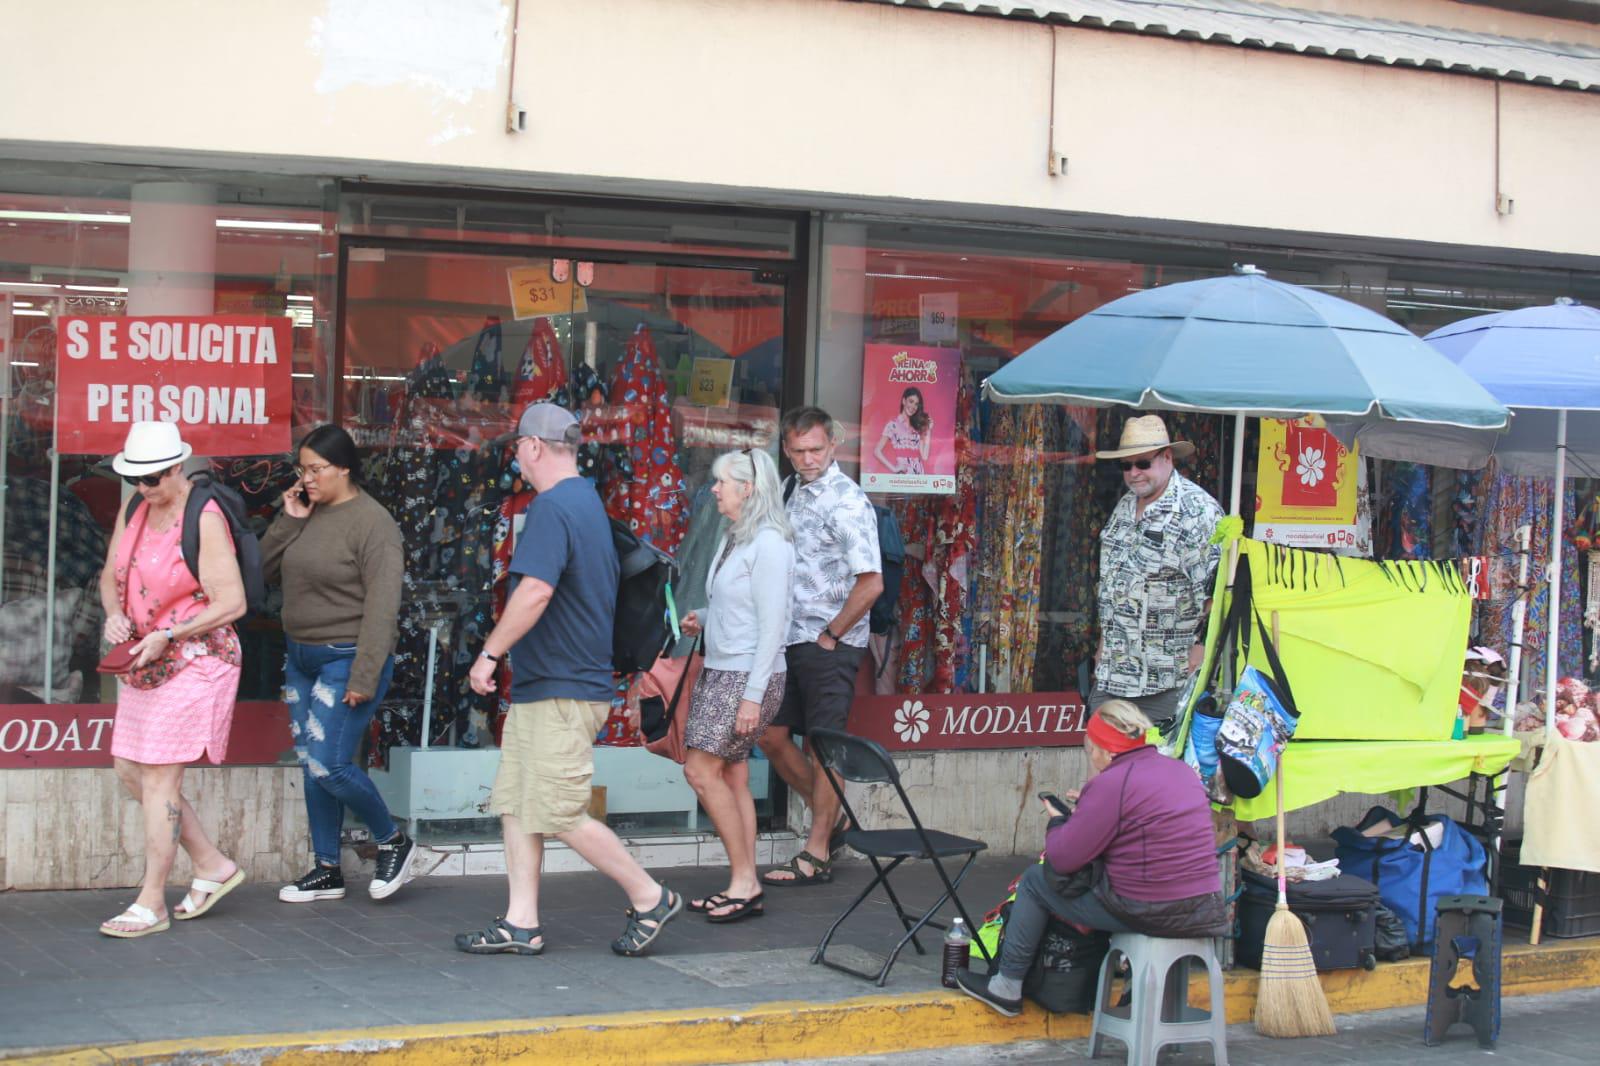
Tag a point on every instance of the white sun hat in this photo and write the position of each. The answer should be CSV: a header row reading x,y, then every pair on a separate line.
x,y
151,446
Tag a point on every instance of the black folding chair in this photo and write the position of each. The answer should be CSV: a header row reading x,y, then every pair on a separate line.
x,y
854,759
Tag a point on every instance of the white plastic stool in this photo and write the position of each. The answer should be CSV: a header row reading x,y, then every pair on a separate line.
x,y
1158,1013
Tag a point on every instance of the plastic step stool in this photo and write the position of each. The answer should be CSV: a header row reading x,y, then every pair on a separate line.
x,y
1158,1012
1469,931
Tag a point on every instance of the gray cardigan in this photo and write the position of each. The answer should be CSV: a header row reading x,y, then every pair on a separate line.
x,y
748,613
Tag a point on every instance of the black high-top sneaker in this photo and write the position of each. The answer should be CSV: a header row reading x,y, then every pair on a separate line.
x,y
323,882
394,866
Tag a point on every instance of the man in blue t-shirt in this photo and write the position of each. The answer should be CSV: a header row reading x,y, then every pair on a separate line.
x,y
556,627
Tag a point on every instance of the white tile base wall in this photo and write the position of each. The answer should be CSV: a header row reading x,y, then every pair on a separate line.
x,y
655,852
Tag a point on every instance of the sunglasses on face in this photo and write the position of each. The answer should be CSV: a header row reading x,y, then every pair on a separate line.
x,y
1136,464
149,481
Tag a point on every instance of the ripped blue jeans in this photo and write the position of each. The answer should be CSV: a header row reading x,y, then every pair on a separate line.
x,y
327,735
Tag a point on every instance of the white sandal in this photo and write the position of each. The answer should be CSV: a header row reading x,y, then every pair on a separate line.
x,y
213,890
136,912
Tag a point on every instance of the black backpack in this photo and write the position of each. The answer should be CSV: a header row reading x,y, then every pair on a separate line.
x,y
640,631
246,546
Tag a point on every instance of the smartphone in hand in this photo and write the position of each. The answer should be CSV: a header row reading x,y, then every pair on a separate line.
x,y
1056,803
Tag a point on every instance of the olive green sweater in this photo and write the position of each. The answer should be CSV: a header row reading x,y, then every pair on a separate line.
x,y
341,571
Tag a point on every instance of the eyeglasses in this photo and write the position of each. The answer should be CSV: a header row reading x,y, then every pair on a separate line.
x,y
149,481
315,469
1136,464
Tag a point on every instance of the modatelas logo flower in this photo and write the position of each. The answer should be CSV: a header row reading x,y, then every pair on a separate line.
x,y
911,721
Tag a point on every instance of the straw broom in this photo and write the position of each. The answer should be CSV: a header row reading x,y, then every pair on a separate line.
x,y
1289,1000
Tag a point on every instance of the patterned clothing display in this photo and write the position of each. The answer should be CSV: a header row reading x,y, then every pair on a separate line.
x,y
1509,502
80,543
952,551
1016,617
835,541
1156,574
915,606
1407,518
445,494
650,497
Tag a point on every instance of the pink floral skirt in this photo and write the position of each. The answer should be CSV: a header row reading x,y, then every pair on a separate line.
x,y
180,720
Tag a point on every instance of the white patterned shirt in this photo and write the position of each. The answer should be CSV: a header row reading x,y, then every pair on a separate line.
x,y
1156,573
835,541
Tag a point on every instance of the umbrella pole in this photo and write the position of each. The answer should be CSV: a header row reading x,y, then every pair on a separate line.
x,y
1235,489
1519,618
1553,615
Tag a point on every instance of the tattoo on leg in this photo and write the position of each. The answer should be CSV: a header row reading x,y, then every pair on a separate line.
x,y
175,816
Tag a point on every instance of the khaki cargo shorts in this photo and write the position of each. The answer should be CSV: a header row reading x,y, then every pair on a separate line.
x,y
547,762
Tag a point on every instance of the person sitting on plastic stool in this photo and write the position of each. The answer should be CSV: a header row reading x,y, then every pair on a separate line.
x,y
1135,855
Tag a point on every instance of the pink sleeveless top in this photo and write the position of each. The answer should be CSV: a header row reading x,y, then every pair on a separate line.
x,y
157,590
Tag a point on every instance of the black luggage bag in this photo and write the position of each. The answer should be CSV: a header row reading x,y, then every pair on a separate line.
x,y
1340,918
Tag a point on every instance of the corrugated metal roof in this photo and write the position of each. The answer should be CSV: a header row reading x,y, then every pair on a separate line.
x,y
1315,33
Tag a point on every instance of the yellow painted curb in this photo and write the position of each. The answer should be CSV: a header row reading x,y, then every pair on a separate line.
x,y
864,1026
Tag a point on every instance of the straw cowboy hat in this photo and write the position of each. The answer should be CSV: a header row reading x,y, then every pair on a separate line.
x,y
1147,433
151,446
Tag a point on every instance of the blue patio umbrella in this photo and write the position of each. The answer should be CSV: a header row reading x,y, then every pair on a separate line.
x,y
1245,344
1544,363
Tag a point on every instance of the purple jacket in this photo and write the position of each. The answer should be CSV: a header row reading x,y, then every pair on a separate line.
x,y
1148,817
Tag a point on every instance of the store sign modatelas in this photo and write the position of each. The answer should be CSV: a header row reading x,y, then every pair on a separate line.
x,y
935,722
224,379
38,736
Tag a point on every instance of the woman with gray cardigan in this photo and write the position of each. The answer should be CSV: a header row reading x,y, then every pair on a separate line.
x,y
741,686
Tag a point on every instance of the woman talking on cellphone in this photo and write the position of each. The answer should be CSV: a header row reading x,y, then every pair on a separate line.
x,y
339,557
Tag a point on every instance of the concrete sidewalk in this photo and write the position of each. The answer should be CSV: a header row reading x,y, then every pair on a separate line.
x,y
277,980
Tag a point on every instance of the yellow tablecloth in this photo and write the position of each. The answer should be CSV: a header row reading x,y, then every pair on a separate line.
x,y
1315,770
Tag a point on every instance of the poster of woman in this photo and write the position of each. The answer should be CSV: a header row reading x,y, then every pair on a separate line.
x,y
908,406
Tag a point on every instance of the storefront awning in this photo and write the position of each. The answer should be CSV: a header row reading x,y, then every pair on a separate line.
x,y
1315,33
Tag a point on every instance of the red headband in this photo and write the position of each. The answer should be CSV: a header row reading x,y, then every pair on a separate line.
x,y
1111,739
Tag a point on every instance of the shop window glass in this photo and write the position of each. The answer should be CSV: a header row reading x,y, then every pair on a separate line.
x,y
229,244
557,224
670,366
999,590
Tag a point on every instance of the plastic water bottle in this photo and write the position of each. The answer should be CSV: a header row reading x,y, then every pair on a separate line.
x,y
957,952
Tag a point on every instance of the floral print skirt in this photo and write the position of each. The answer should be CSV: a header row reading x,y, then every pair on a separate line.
x,y
714,706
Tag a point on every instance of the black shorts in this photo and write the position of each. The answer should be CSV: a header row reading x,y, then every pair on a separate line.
x,y
819,686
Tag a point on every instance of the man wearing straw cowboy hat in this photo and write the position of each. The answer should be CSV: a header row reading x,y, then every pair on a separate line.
x,y
1157,564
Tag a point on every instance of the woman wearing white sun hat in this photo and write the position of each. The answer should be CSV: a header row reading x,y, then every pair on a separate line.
x,y
175,703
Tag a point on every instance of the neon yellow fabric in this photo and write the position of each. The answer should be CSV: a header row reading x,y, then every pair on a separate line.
x,y
1315,770
1373,651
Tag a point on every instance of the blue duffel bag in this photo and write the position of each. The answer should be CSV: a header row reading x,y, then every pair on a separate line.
x,y
1412,877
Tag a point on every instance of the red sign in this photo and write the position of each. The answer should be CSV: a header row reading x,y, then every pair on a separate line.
x,y
224,379
971,720
53,736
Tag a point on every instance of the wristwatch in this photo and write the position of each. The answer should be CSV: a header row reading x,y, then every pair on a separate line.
x,y
170,634
485,655
831,635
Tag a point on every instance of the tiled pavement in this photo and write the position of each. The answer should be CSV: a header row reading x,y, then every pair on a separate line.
x,y
255,965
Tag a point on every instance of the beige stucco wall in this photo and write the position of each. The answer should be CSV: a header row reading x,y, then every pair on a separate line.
x,y
725,98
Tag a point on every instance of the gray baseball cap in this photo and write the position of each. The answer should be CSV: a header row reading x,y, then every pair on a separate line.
x,y
548,421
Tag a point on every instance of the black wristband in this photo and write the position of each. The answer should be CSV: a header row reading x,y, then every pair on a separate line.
x,y
491,658
829,630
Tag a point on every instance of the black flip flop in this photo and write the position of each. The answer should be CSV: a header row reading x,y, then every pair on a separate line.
x,y
708,903
754,907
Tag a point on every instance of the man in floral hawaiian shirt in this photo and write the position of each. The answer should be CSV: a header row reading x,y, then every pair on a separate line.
x,y
1157,565
837,577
